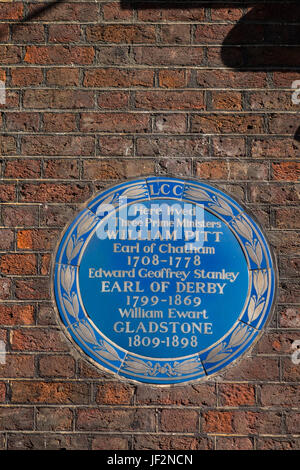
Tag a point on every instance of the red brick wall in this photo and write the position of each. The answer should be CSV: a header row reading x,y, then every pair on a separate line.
x,y
97,94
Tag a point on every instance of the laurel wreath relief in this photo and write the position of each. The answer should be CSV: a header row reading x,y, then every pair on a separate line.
x,y
81,326
220,206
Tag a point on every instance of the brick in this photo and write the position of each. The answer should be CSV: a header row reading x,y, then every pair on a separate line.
x,y
113,77
275,147
289,292
54,192
57,366
227,124
289,317
116,145
116,122
273,193
23,168
254,368
217,422
7,192
18,264
56,216
226,100
36,239
45,264
291,371
271,100
172,146
59,99
226,14
2,392
6,239
275,443
110,443
10,54
16,418
289,267
5,289
24,33
166,123
224,146
57,145
234,443
175,34
283,123
111,393
43,441
169,78
11,12
52,55
38,339
103,419
61,169
107,170
166,55
211,34
171,166
176,420
287,171
8,145
64,76
60,122
183,14
167,442
171,100
114,11
25,76
128,34
32,289
287,217
68,11
279,395
231,79
54,419
236,395
49,392
292,423
196,395
18,366
46,316
64,33
284,242
234,170
113,100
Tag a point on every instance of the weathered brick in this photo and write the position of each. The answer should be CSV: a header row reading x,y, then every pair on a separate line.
x,y
110,443
36,239
6,239
56,366
38,339
114,393
167,442
55,55
18,264
174,420
236,394
13,418
54,419
18,366
103,419
49,392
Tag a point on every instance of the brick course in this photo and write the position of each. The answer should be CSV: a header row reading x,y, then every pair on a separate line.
x,y
97,93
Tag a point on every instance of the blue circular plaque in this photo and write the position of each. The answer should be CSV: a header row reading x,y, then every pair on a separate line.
x,y
163,280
